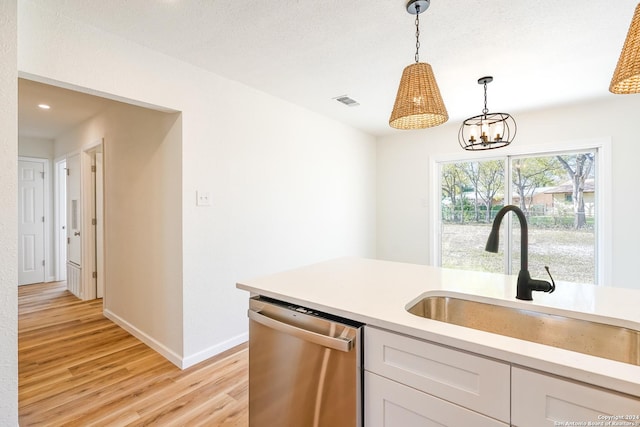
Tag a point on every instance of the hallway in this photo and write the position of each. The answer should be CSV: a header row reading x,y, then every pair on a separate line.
x,y
76,367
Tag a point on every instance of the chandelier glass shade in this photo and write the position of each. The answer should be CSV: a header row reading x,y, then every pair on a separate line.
x,y
487,131
418,102
626,77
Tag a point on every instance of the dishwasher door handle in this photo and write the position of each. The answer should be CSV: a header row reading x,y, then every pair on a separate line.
x,y
341,344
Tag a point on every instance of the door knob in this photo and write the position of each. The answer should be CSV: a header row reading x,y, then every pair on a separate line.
x,y
76,233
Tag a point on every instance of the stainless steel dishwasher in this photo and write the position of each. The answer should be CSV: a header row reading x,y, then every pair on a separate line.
x,y
305,367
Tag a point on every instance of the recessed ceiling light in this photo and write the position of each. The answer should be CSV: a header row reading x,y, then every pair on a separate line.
x,y
44,106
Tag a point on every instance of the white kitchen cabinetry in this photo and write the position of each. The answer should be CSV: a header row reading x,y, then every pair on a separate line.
x,y
391,404
543,400
414,382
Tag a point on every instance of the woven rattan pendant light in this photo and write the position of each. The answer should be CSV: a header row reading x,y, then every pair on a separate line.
x,y
626,77
418,102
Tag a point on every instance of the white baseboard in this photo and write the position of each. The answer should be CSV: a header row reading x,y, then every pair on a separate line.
x,y
170,355
214,350
166,352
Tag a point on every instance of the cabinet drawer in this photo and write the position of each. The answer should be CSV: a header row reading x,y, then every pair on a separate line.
x,y
390,404
541,400
474,382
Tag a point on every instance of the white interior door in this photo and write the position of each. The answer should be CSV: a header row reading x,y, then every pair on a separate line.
x,y
30,222
74,211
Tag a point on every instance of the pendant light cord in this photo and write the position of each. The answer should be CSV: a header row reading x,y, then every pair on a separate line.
x,y
417,57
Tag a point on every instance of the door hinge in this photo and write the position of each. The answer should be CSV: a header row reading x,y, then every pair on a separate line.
x,y
43,263
94,275
42,219
67,169
93,221
68,240
93,168
42,175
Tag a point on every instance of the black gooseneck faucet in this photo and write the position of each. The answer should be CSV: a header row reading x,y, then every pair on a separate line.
x,y
525,283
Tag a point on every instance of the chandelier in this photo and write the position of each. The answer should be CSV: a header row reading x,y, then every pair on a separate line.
x,y
487,130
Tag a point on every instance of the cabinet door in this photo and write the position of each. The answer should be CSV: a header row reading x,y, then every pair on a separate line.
x,y
473,382
390,404
542,400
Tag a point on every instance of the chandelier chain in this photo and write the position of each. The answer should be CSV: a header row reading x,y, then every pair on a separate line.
x,y
485,110
417,57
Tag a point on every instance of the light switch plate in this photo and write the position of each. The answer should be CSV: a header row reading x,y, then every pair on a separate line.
x,y
203,198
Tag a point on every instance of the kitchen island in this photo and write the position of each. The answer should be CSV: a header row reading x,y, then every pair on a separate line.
x,y
378,293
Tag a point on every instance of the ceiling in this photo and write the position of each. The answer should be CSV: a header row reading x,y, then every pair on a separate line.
x,y
68,108
540,53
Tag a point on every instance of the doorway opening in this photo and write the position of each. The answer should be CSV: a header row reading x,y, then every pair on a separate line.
x,y
143,173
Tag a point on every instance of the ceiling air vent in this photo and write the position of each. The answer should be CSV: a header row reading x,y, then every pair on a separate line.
x,y
349,102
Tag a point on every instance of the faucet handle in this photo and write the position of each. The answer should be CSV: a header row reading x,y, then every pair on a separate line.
x,y
553,283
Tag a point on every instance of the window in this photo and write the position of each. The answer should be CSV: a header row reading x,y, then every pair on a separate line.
x,y
559,192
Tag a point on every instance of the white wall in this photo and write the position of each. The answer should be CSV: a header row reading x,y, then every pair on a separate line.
x,y
35,147
289,187
403,175
402,182
8,215
142,220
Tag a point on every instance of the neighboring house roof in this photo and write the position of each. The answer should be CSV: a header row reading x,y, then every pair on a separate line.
x,y
539,190
567,187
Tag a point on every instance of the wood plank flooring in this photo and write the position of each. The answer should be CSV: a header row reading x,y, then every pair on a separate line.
x,y
77,368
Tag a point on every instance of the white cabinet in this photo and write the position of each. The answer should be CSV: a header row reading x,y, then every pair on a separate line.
x,y
391,404
542,400
415,379
411,382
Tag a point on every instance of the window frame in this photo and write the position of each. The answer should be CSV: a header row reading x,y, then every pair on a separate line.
x,y
603,198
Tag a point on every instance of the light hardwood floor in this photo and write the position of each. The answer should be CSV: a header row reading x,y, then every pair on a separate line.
x,y
78,368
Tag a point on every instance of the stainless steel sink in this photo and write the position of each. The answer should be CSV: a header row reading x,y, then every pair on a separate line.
x,y
584,336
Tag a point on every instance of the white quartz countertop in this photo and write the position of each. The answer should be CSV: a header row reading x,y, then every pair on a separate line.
x,y
377,293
